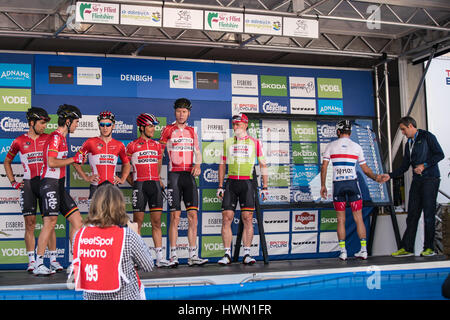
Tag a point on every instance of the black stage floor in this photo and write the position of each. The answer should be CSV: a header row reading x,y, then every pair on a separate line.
x,y
213,273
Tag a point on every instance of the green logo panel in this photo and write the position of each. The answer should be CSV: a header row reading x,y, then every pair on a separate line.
x,y
60,228
273,86
212,247
212,152
13,252
15,99
329,88
210,202
305,153
328,220
278,176
146,229
304,131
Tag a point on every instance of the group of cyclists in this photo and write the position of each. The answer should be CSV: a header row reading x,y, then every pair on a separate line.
x,y
45,156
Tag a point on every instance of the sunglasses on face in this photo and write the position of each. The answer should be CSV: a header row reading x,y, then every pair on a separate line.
x,y
105,124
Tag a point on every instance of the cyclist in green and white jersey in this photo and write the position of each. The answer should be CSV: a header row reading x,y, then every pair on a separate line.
x,y
240,153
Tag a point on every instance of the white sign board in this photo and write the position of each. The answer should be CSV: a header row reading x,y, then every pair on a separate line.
x,y
183,18
295,27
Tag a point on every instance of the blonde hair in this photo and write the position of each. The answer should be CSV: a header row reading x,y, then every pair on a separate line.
x,y
107,208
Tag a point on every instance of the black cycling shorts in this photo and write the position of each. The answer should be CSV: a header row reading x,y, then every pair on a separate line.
x,y
348,190
29,196
147,192
241,190
181,185
55,198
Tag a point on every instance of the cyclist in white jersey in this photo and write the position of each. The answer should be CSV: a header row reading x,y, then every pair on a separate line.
x,y
344,155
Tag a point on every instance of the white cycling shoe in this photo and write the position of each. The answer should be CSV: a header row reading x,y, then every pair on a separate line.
x,y
361,255
42,270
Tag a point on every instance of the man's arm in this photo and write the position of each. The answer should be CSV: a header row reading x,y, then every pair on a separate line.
x,y
264,172
88,178
222,169
406,162
437,154
323,178
54,162
126,168
10,174
368,172
196,170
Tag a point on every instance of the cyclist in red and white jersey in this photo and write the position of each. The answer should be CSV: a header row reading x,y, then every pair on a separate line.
x,y
345,154
55,198
103,153
146,157
185,158
29,146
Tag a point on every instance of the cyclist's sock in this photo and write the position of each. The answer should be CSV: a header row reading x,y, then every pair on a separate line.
x,y
246,251
158,253
342,245
31,258
228,251
53,255
363,244
173,252
39,260
192,251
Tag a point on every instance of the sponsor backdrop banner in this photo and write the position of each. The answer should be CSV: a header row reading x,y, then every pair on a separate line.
x,y
128,87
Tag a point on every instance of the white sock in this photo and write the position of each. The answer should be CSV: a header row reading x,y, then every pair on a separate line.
x,y
31,258
53,255
246,251
173,252
39,260
158,253
228,251
192,251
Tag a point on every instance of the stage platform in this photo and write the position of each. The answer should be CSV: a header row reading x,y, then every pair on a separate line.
x,y
213,273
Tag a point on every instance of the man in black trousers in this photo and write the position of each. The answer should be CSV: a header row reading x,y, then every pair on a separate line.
x,y
423,153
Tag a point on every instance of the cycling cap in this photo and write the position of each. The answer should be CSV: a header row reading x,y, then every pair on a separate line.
x,y
146,119
36,113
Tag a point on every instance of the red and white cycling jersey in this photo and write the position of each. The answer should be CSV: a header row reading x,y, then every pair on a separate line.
x,y
181,144
103,157
55,146
30,152
344,154
144,156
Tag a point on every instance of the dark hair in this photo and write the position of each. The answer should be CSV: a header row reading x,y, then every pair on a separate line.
x,y
406,121
62,122
343,131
